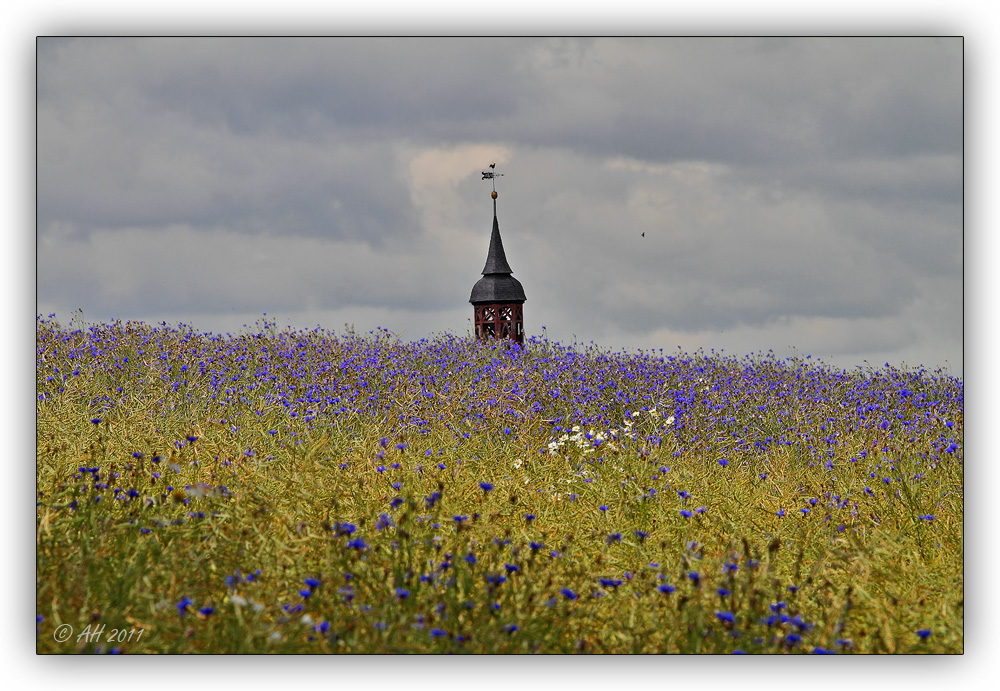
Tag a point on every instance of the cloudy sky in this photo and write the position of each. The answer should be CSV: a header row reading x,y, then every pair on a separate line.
x,y
800,195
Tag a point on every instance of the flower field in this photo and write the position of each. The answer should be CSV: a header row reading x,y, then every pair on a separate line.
x,y
315,492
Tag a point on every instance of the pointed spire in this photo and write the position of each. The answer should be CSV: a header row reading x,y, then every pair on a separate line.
x,y
496,259
497,284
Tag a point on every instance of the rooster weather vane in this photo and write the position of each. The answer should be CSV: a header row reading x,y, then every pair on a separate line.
x,y
492,176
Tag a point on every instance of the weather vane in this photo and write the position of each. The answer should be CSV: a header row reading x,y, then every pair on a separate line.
x,y
492,175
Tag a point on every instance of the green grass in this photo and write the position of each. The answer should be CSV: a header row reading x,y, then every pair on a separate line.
x,y
261,490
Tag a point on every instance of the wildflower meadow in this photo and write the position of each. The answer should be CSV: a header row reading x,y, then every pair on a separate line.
x,y
309,491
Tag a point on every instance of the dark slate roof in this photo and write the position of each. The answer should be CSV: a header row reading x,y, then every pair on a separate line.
x,y
497,288
497,284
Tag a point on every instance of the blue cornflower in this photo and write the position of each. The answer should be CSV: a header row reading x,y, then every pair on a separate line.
x,y
183,605
603,507
823,651
206,611
568,594
611,582
459,519
642,535
401,446
471,558
383,442
137,454
511,568
723,462
801,625
380,469
804,511
529,517
432,499
779,513
535,546
357,543
923,633
724,592
726,617
312,583
695,576
383,522
486,486
402,593
438,633
686,513
510,628
96,420
397,501
613,537
666,588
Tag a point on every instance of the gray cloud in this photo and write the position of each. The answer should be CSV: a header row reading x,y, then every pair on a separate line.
x,y
799,190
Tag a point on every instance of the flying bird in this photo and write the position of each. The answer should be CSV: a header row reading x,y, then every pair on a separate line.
x,y
643,235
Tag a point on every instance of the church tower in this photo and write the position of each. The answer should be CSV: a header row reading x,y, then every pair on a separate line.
x,y
498,298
